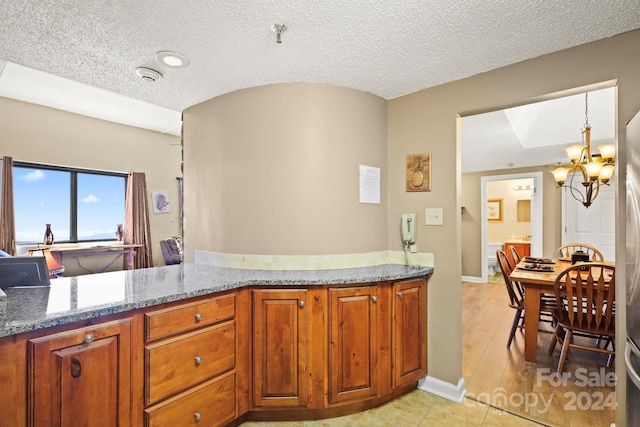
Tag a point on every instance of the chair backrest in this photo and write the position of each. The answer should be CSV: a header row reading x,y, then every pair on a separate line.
x,y
514,289
171,250
565,251
515,256
586,294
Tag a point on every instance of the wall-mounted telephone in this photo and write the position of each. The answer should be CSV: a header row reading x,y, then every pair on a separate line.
x,y
408,228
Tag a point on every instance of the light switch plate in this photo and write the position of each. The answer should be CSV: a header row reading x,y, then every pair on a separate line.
x,y
433,216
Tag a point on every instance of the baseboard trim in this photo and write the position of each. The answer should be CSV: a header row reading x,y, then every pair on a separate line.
x,y
472,279
443,389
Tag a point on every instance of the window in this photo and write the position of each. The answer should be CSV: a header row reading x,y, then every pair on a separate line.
x,y
81,205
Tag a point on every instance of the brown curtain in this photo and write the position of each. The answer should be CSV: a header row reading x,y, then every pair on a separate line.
x,y
136,220
7,216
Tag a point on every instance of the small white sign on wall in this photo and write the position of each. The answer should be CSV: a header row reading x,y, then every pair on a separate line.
x,y
160,202
369,184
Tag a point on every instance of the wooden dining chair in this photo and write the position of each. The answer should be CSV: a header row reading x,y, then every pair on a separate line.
x,y
565,251
585,294
515,255
515,291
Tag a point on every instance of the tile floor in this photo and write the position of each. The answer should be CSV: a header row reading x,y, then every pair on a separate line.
x,y
416,409
495,375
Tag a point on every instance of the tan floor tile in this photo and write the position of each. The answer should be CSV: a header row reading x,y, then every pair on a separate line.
x,y
496,418
468,414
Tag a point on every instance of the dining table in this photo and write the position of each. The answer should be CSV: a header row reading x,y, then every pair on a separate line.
x,y
536,278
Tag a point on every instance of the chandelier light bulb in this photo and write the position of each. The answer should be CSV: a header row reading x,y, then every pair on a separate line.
x,y
575,152
607,151
560,175
606,173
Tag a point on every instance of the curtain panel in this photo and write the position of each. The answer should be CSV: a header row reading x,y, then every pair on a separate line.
x,y
7,216
137,229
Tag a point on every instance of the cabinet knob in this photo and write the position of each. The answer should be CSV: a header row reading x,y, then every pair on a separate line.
x,y
374,298
89,338
399,294
301,304
198,317
198,360
197,416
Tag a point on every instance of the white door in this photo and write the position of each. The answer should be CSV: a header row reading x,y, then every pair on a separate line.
x,y
594,225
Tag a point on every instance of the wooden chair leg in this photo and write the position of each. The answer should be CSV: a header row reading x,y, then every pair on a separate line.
x,y
554,340
514,326
565,350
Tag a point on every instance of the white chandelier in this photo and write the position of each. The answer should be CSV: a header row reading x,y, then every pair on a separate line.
x,y
594,169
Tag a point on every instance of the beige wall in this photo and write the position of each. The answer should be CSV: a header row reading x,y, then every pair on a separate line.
x,y
33,133
274,170
428,121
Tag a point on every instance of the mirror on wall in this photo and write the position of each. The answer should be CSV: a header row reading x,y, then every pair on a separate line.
x,y
523,210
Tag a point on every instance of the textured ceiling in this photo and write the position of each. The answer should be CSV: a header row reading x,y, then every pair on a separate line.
x,y
388,48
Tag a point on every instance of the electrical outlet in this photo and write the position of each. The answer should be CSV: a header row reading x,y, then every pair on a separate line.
x,y
433,216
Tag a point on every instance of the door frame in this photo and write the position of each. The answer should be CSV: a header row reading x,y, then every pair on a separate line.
x,y
536,214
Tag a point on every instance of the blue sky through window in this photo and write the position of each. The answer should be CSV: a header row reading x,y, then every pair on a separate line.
x,y
42,196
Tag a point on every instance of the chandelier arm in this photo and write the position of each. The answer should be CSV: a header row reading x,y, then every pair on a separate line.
x,y
573,190
594,195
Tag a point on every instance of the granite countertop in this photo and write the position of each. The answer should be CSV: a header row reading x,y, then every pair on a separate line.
x,y
70,299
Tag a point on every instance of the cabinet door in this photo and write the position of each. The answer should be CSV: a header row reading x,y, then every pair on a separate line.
x,y
279,348
353,343
409,331
81,377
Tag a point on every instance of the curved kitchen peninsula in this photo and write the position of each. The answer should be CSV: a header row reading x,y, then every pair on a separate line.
x,y
204,345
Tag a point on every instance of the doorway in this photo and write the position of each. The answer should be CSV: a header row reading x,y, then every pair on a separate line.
x,y
535,213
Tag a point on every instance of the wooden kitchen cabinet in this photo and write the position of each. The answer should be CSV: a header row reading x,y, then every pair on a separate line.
x,y
210,404
258,353
353,325
409,331
190,363
279,347
81,377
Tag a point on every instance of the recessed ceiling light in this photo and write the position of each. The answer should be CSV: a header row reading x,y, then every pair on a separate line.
x,y
172,59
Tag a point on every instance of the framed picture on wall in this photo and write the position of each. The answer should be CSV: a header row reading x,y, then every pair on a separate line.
x,y
494,210
418,172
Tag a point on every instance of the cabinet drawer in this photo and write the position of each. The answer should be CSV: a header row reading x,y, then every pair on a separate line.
x,y
176,364
208,405
171,321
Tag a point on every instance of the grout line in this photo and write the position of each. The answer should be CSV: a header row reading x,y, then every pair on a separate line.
x,y
506,411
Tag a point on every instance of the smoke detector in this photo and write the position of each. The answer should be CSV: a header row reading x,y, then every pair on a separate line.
x,y
148,75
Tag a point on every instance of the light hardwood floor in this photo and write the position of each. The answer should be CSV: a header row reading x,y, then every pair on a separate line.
x,y
496,376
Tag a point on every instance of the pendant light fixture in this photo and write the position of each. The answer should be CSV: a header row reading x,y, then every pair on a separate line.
x,y
587,171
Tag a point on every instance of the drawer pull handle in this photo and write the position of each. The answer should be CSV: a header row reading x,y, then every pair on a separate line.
x,y
399,294
76,367
374,298
301,304
88,338
198,317
197,416
198,360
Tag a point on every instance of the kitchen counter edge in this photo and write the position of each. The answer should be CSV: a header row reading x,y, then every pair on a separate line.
x,y
63,302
